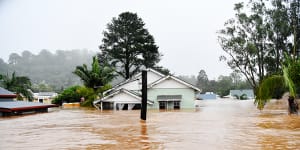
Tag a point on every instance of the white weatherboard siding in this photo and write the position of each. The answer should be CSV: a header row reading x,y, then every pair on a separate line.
x,y
131,86
161,89
187,101
151,77
170,83
123,98
136,85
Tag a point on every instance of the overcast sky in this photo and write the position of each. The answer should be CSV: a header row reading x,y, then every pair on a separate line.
x,y
184,30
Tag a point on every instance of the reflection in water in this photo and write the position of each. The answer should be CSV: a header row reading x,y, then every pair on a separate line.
x,y
144,139
220,124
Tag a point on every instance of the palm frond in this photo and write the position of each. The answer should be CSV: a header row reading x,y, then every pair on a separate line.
x,y
288,82
266,88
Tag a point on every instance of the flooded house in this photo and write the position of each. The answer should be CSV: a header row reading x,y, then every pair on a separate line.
x,y
9,106
207,96
164,92
44,97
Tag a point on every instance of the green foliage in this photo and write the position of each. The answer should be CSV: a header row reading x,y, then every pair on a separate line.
x,y
42,87
128,46
202,81
97,77
162,70
21,85
88,94
256,39
69,95
244,40
77,93
224,85
243,97
289,82
266,88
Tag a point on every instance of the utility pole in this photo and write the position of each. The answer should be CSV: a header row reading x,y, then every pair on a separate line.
x,y
144,95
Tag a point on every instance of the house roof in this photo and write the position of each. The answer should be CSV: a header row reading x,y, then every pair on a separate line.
x,y
131,93
134,78
6,94
47,94
9,106
149,70
176,79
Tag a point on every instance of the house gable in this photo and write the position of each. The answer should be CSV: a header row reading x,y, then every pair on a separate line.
x,y
172,82
122,97
152,76
135,83
169,83
131,85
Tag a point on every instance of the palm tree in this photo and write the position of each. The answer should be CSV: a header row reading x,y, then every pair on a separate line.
x,y
98,76
286,80
18,84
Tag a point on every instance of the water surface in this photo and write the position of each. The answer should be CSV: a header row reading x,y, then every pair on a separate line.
x,y
219,124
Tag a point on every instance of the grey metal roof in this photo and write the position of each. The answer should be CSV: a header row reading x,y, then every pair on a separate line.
x,y
19,104
5,92
6,100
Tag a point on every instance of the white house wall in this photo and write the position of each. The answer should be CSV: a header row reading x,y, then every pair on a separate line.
x,y
170,83
124,98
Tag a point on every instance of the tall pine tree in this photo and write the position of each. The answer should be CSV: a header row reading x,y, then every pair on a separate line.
x,y
128,46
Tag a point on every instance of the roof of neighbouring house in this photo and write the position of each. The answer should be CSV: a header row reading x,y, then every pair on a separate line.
x,y
47,94
6,94
9,106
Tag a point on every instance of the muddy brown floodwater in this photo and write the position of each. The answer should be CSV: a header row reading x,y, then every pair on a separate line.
x,y
217,124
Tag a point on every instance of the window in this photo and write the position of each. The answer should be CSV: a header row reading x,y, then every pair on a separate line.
x,y
162,105
176,104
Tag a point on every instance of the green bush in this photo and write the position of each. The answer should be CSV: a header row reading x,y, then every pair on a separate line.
x,y
81,94
69,95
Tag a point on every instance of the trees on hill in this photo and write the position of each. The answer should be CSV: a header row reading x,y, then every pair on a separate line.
x,y
47,68
128,45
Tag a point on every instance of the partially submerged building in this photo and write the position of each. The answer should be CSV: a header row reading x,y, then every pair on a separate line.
x,y
207,96
44,97
9,106
164,92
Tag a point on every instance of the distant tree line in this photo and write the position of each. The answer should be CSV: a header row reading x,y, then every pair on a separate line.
x,y
47,71
221,86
